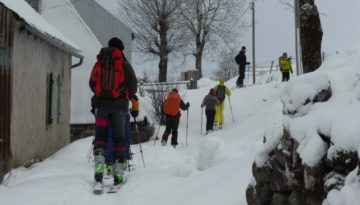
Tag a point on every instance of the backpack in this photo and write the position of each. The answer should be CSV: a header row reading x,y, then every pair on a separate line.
x,y
220,92
237,59
111,75
280,66
172,104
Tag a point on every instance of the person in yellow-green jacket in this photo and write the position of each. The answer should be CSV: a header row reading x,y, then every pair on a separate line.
x,y
221,91
285,67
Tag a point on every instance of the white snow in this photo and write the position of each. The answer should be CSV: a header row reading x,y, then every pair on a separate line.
x,y
349,194
30,16
211,169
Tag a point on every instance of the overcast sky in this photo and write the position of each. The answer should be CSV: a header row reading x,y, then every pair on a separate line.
x,y
275,31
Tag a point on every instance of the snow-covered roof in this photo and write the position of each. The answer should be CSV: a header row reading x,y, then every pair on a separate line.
x,y
34,20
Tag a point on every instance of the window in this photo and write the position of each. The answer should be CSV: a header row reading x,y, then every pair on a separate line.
x,y
50,98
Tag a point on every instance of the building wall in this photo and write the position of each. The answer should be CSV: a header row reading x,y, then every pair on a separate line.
x,y
7,20
31,136
68,21
103,24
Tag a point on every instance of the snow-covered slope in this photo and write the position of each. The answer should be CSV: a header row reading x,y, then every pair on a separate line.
x,y
212,169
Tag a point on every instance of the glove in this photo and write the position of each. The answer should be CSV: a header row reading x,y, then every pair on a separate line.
x,y
134,113
187,105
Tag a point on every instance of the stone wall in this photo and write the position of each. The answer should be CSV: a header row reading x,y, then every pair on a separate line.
x,y
285,180
79,131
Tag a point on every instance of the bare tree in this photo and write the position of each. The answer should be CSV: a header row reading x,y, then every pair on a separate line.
x,y
311,34
228,68
156,24
211,22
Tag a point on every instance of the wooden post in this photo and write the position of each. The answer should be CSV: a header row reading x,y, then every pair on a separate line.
x,y
253,39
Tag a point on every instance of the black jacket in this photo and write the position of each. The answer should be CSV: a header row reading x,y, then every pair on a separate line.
x,y
240,59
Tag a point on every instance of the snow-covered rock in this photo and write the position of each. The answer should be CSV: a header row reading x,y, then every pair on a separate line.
x,y
319,145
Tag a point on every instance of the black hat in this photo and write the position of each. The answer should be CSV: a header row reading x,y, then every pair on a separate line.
x,y
175,90
243,48
117,43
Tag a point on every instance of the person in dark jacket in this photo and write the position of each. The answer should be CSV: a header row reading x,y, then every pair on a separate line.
x,y
111,112
240,59
171,109
210,102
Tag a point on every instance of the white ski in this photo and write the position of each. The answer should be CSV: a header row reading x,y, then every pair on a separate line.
x,y
98,188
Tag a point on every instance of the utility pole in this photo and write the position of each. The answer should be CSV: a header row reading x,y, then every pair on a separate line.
x,y
253,38
297,36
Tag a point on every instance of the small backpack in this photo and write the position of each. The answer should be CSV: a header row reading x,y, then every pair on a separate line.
x,y
111,74
172,104
220,92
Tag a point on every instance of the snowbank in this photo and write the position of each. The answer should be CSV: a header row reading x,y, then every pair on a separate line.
x,y
323,129
211,152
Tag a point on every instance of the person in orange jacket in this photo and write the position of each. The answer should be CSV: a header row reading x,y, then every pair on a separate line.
x,y
171,109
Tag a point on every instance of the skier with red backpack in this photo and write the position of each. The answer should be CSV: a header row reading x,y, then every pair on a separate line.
x,y
113,82
171,109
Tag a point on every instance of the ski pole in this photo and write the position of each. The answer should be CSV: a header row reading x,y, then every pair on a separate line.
x,y
157,133
202,111
248,78
231,110
89,156
141,151
187,125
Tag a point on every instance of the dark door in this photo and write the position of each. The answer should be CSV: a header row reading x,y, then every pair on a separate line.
x,y
6,41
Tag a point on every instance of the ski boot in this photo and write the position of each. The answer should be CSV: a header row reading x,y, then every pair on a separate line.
x,y
109,169
99,165
99,171
216,126
163,142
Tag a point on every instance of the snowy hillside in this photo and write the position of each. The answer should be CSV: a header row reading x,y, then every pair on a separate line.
x,y
213,169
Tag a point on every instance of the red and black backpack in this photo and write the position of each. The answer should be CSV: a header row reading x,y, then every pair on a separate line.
x,y
110,75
